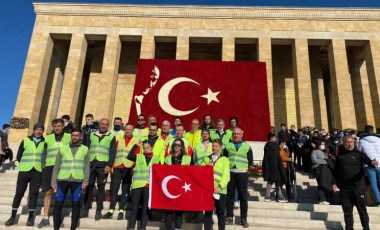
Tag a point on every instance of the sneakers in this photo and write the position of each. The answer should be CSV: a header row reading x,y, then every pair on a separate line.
x,y
236,205
324,202
120,216
98,215
108,215
244,223
84,213
283,200
30,221
10,221
229,221
44,223
267,199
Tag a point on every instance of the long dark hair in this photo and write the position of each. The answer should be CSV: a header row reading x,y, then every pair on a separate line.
x,y
182,146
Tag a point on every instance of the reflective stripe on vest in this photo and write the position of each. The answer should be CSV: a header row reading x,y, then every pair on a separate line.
x,y
31,157
141,174
100,150
53,147
123,151
202,154
186,160
219,168
238,158
72,166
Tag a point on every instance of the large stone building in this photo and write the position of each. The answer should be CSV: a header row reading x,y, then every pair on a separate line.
x,y
323,64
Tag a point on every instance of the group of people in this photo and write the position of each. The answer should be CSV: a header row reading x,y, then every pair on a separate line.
x,y
76,159
338,162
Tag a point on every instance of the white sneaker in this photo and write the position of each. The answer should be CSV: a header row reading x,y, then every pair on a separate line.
x,y
324,202
267,199
236,205
283,200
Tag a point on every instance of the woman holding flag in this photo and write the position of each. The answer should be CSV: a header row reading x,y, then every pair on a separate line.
x,y
177,156
140,182
221,178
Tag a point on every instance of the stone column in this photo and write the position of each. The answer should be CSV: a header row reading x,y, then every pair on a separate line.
x,y
265,55
182,48
302,83
342,97
147,47
372,59
33,83
54,98
108,79
228,53
73,76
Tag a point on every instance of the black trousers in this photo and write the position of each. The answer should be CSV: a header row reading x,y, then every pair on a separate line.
x,y
350,196
137,195
96,175
121,176
220,206
169,219
238,181
33,178
62,189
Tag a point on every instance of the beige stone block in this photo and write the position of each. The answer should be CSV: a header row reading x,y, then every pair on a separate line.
x,y
54,98
182,48
228,52
147,47
372,57
124,93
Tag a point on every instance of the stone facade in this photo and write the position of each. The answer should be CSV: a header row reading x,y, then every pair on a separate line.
x,y
323,64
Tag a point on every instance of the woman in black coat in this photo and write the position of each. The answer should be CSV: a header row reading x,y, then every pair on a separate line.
x,y
272,169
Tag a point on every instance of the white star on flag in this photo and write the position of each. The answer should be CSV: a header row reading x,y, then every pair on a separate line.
x,y
211,96
187,187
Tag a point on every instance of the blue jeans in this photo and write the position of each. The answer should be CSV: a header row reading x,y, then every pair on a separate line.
x,y
374,180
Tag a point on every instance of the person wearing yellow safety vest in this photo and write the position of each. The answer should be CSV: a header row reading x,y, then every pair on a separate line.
x,y
140,129
180,131
177,156
165,132
122,172
118,128
158,143
220,133
177,121
203,150
221,178
152,119
102,156
240,155
140,181
71,171
52,144
194,135
29,155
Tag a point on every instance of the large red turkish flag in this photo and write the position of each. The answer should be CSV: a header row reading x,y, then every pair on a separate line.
x,y
191,89
184,188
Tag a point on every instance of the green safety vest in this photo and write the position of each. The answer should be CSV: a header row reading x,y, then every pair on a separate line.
x,y
53,147
186,160
193,138
100,150
118,134
202,154
221,174
238,158
158,148
140,133
31,157
72,166
226,137
141,174
123,151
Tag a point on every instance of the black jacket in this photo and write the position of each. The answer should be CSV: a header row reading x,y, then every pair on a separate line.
x,y
349,169
272,164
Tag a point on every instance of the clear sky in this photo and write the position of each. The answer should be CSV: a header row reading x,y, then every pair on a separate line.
x,y
17,20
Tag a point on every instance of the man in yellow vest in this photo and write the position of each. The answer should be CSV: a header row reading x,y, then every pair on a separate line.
x,y
157,142
71,171
118,129
220,133
122,172
240,156
52,144
140,130
29,155
203,150
165,132
194,135
102,156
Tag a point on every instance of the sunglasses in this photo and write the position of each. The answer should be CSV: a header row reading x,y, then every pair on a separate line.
x,y
177,145
140,119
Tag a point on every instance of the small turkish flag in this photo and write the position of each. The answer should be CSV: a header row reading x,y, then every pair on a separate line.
x,y
183,188
192,89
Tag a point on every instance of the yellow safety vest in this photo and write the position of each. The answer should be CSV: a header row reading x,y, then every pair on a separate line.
x,y
193,138
141,174
221,174
31,157
72,166
100,150
123,151
53,147
238,158
202,153
186,160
